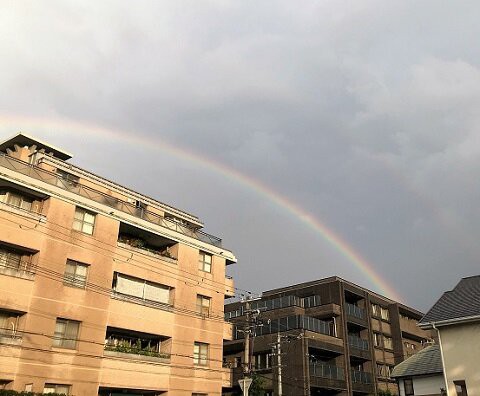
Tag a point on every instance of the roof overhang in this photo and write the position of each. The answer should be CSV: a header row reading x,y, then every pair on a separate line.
x,y
22,139
447,322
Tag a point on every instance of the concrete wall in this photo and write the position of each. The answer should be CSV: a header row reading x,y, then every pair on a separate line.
x,y
461,353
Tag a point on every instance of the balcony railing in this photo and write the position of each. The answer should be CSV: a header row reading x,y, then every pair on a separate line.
x,y
353,310
102,198
357,342
361,377
327,371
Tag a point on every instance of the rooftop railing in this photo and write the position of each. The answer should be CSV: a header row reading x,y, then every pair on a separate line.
x,y
102,198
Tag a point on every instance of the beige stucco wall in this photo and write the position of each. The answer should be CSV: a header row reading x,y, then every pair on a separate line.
x,y
424,385
461,353
45,298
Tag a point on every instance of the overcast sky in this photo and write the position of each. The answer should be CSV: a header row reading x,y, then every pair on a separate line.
x,y
363,113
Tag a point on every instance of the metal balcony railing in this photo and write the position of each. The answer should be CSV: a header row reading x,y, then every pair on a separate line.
x,y
361,377
353,310
97,196
329,371
357,342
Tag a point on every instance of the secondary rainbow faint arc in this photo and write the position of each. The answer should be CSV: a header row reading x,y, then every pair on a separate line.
x,y
33,123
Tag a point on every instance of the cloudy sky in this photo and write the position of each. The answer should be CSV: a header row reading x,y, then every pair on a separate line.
x,y
363,114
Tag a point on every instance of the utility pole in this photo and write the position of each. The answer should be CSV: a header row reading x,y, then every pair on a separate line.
x,y
246,381
279,364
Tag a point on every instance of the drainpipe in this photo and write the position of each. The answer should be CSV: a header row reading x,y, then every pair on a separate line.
x,y
443,359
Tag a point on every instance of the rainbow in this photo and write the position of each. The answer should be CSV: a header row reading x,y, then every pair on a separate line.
x,y
11,124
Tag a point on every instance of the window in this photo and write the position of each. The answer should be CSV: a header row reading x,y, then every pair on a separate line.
x,y
205,262
66,333
13,260
384,313
203,304
461,388
56,388
141,289
16,199
200,354
262,360
75,274
9,323
84,221
408,386
387,342
28,387
376,310
10,258
377,339
383,370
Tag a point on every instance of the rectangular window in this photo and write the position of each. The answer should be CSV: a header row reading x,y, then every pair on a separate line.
x,y
203,304
461,388
84,221
66,333
387,342
9,323
375,310
9,258
16,199
200,354
385,314
56,388
408,386
75,274
205,262
141,289
377,339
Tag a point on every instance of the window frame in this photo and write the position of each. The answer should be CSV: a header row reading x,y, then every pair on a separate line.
x,y
79,223
76,280
200,357
55,389
201,308
60,340
203,265
410,391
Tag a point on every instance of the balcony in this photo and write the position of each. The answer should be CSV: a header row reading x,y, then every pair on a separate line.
x,y
361,377
127,344
147,243
327,371
132,209
358,343
354,311
229,287
327,376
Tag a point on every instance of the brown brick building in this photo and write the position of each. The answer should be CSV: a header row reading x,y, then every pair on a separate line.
x,y
104,291
336,338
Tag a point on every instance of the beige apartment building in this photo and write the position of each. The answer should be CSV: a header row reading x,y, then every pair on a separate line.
x,y
104,291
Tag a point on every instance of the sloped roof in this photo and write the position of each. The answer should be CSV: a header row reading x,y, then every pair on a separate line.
x,y
460,303
428,361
